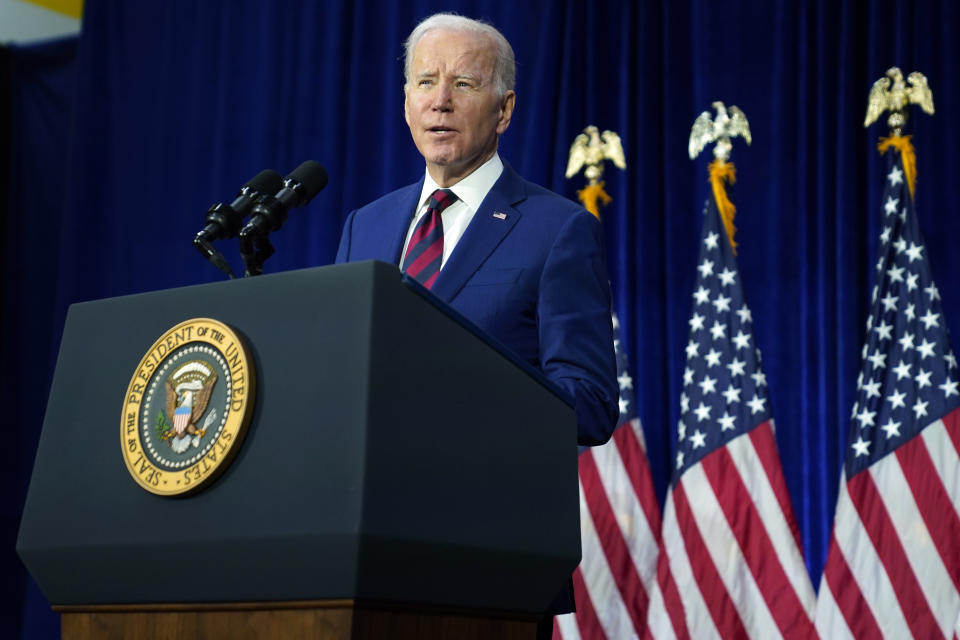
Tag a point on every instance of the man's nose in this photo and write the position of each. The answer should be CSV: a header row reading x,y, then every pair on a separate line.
x,y
442,98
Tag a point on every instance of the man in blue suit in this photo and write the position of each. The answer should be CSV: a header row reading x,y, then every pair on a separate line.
x,y
524,264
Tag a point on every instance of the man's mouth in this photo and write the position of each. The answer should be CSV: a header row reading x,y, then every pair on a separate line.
x,y
441,130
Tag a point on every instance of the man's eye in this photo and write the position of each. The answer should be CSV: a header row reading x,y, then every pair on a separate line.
x,y
424,83
463,84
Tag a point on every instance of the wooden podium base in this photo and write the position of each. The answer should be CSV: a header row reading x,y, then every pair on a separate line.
x,y
320,620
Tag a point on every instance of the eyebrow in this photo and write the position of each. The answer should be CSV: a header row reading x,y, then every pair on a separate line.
x,y
460,76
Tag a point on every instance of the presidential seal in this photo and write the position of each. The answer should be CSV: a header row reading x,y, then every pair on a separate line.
x,y
187,407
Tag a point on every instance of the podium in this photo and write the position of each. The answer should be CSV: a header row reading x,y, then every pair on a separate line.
x,y
402,475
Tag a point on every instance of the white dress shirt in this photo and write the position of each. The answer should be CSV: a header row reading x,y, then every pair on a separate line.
x,y
470,193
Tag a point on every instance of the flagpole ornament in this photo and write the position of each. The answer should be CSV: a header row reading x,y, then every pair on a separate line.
x,y
591,149
896,98
728,124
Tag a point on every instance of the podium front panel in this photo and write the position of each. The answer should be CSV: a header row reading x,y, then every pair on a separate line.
x,y
341,489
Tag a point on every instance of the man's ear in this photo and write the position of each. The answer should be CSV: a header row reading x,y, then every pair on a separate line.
x,y
506,111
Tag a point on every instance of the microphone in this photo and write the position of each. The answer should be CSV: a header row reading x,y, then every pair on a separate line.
x,y
270,212
299,188
223,220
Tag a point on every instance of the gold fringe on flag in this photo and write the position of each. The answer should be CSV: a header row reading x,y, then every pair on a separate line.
x,y
721,172
907,154
590,195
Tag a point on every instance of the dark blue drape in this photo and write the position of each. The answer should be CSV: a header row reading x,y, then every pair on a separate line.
x,y
121,140
36,89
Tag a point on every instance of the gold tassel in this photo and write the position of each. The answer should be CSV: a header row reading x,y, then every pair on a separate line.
x,y
590,195
721,172
907,155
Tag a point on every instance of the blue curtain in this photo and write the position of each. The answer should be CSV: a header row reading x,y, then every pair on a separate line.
x,y
36,90
122,139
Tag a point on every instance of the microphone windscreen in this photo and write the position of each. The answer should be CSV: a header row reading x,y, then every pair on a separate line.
x,y
312,178
267,181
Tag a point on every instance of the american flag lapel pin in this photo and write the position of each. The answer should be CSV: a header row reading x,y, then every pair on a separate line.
x,y
499,216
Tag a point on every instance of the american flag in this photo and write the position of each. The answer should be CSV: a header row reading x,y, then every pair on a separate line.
x,y
730,564
619,529
893,567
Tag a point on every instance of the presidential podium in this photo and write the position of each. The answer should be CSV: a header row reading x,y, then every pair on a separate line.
x,y
402,476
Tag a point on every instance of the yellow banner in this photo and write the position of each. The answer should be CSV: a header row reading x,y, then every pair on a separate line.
x,y
71,8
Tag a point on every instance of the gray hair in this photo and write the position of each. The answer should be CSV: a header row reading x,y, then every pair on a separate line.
x,y
505,69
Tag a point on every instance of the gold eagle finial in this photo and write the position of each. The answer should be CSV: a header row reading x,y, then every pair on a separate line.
x,y
591,149
729,123
895,98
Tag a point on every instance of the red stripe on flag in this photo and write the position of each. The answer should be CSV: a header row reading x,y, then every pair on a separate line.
x,y
758,552
951,422
587,620
935,506
878,525
638,470
848,596
671,598
724,614
765,444
621,565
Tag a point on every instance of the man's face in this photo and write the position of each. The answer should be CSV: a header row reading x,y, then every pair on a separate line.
x,y
451,105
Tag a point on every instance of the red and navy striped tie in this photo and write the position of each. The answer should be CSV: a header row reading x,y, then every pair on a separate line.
x,y
425,251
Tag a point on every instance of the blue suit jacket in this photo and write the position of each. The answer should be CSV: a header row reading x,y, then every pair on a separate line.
x,y
529,270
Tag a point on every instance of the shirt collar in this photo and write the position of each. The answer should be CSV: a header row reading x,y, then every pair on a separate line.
x,y
472,189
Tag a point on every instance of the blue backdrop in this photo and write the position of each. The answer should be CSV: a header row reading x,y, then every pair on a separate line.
x,y
114,145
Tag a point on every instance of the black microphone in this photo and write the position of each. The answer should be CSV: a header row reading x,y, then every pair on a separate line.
x,y
299,188
224,220
270,213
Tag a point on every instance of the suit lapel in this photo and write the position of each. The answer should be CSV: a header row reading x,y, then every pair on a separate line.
x,y
396,222
494,219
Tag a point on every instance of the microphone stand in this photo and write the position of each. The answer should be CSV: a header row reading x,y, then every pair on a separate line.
x,y
255,248
215,257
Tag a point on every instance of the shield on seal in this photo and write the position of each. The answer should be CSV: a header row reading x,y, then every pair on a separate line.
x,y
181,416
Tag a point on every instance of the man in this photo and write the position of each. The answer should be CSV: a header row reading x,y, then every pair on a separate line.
x,y
522,263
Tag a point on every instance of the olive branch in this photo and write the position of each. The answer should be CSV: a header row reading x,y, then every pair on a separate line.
x,y
163,429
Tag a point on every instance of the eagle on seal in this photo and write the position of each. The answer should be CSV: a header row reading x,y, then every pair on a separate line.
x,y
187,403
